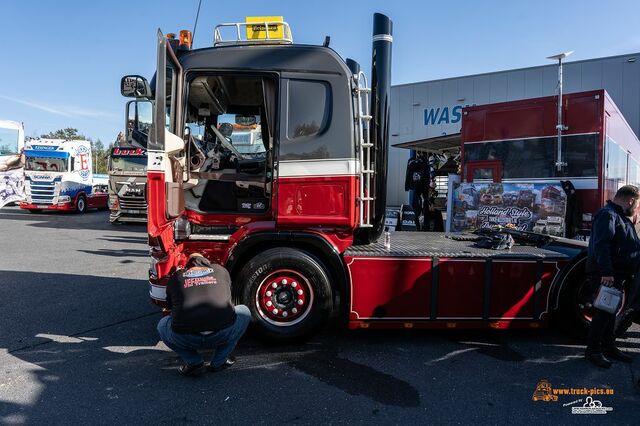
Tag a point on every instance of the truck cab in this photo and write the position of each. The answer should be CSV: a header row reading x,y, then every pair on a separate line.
x,y
128,165
58,176
265,142
127,184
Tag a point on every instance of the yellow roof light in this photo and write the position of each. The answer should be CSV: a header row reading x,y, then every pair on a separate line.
x,y
264,27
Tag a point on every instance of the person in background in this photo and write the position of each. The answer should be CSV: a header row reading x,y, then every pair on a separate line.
x,y
630,314
417,180
612,260
202,316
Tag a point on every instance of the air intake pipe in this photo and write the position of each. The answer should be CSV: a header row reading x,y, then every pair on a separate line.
x,y
379,126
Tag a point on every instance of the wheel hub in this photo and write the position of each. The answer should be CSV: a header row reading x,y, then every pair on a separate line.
x,y
284,298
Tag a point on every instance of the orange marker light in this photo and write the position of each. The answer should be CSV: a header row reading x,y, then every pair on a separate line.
x,y
185,39
171,36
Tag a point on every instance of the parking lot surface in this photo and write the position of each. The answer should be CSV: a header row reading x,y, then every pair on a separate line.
x,y
78,345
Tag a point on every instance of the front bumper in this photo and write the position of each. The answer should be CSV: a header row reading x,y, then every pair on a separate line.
x,y
128,216
68,206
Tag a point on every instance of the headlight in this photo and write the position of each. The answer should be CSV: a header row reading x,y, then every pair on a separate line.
x,y
64,199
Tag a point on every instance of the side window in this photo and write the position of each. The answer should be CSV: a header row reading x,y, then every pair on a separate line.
x,y
616,172
309,108
316,120
633,172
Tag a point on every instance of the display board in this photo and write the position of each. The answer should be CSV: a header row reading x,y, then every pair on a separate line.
x,y
538,207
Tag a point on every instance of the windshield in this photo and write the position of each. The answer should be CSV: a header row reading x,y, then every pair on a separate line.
x,y
248,142
129,164
244,133
8,141
38,164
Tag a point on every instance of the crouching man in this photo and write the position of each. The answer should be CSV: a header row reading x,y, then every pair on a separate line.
x,y
202,316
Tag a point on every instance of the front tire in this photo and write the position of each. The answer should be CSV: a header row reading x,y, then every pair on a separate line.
x,y
288,293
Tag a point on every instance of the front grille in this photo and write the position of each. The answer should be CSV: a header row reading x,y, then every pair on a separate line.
x,y
132,203
41,192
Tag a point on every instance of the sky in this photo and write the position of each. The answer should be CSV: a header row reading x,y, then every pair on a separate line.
x,y
62,61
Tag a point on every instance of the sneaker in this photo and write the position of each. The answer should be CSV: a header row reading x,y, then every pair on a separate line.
x,y
598,359
618,355
191,370
226,364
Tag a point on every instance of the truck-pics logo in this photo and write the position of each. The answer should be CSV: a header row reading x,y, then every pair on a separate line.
x,y
544,392
547,393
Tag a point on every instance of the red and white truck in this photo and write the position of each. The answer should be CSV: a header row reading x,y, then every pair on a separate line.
x,y
298,221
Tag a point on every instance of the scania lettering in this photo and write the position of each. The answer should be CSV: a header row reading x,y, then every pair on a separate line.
x,y
298,221
58,176
11,162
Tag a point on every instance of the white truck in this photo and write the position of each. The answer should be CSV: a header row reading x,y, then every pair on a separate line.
x,y
58,176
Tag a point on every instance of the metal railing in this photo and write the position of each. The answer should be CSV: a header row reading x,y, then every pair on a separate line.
x,y
242,28
364,145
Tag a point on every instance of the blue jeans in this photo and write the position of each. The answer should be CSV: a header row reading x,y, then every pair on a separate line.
x,y
223,341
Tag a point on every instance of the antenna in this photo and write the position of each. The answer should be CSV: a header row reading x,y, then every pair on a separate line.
x,y
196,23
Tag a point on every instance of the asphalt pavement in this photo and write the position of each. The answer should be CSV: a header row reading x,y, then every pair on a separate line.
x,y
78,345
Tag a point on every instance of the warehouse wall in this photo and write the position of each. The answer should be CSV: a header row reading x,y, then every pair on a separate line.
x,y
432,108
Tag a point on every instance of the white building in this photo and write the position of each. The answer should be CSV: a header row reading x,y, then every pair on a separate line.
x,y
433,108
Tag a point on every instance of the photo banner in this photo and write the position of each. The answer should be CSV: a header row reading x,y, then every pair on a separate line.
x,y
538,207
11,187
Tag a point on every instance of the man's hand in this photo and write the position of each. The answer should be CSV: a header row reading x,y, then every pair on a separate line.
x,y
606,281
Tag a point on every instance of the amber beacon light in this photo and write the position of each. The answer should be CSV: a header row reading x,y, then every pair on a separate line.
x,y
185,39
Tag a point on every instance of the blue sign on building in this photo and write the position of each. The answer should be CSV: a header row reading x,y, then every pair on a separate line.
x,y
443,115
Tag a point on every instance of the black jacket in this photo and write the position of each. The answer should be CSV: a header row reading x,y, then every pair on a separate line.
x,y
614,247
200,298
417,176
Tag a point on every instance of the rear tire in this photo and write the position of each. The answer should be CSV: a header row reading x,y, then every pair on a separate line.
x,y
574,317
288,293
81,205
575,311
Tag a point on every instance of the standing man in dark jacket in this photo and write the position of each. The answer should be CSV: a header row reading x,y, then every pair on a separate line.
x,y
202,316
417,180
613,256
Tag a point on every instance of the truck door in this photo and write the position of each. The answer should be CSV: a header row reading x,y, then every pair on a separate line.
x,y
166,147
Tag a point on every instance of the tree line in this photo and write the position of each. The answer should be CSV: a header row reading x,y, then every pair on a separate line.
x,y
99,152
